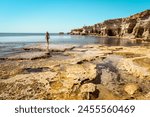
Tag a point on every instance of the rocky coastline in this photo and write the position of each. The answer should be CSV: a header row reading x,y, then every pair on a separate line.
x,y
75,72
134,27
82,72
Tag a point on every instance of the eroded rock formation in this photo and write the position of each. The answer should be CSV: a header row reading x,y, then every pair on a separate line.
x,y
133,27
84,72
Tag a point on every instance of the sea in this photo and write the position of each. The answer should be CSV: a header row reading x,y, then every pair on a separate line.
x,y
11,43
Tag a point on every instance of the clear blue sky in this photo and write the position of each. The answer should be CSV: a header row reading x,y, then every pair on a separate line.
x,y
62,15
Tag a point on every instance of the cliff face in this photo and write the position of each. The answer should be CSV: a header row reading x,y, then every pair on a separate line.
x,y
136,26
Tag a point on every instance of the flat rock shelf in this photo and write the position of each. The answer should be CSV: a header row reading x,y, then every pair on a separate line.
x,y
87,72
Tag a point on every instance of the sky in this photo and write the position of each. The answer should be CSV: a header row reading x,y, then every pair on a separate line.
x,y
38,16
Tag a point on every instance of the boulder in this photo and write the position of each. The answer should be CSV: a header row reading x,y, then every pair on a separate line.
x,y
78,72
131,88
87,90
89,87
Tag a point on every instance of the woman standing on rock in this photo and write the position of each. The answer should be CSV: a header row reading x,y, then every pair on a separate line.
x,y
47,40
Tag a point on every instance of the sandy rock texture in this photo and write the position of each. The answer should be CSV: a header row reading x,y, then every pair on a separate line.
x,y
88,72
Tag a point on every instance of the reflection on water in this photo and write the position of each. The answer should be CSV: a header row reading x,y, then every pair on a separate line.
x,y
13,43
118,42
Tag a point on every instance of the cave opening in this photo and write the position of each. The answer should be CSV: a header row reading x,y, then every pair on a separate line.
x,y
110,32
140,32
99,32
131,27
130,30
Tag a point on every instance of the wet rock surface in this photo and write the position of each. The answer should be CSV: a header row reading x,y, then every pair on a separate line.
x,y
88,72
52,47
26,56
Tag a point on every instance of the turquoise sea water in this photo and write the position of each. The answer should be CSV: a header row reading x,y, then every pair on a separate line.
x,y
12,42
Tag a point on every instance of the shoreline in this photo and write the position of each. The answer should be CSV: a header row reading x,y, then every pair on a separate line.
x,y
87,72
115,37
134,42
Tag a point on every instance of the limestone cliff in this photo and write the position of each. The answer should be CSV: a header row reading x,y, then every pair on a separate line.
x,y
133,27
